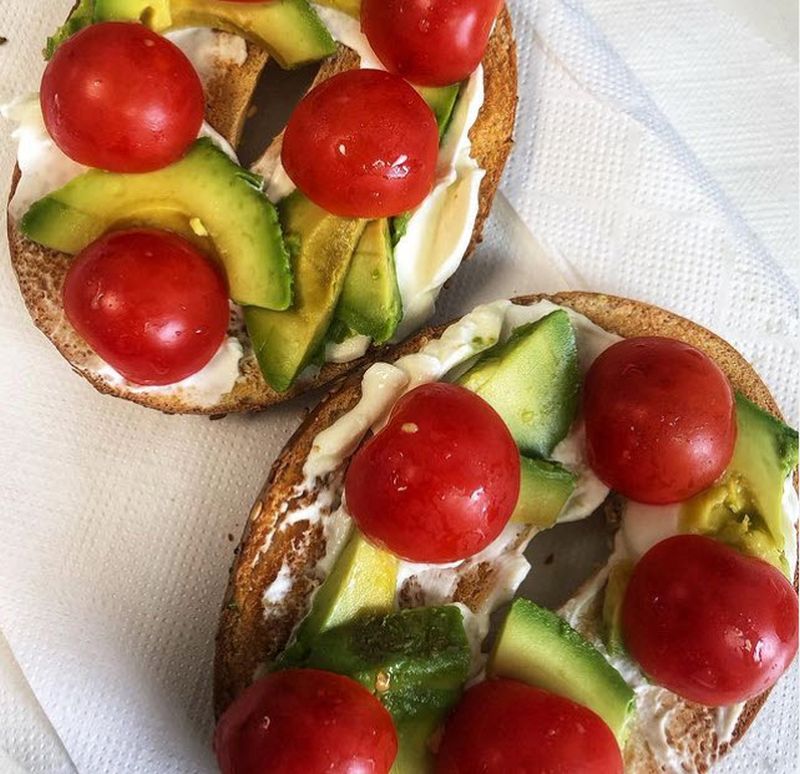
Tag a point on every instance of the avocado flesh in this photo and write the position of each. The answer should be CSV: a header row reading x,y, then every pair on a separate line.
x,y
321,246
289,30
618,576
745,508
204,187
532,382
544,489
363,580
538,647
415,661
370,303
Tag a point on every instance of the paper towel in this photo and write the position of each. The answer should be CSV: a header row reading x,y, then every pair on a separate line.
x,y
117,522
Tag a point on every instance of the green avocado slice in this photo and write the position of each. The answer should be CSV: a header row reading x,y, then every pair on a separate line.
x,y
544,489
540,648
370,303
289,30
745,508
321,245
532,380
205,189
415,661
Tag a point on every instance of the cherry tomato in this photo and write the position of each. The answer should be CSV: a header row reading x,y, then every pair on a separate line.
x,y
503,726
660,419
305,721
362,144
713,625
429,42
440,481
119,97
148,303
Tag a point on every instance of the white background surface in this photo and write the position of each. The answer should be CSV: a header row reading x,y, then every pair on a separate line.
x,y
114,520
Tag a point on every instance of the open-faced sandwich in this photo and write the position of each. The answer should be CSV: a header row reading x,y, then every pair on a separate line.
x,y
169,275
355,633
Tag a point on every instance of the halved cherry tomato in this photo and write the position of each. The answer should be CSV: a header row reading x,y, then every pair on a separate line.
x,y
148,303
660,419
305,721
503,726
429,42
440,481
713,625
362,144
119,97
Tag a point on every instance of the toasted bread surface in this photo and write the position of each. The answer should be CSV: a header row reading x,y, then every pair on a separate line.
x,y
40,271
250,633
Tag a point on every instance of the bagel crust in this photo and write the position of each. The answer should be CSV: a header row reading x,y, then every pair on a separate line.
x,y
41,272
276,537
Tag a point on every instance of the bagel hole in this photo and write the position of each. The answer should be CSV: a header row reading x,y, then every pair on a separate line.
x,y
562,559
275,97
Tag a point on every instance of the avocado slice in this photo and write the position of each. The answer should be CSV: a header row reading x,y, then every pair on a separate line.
x,y
538,647
744,509
289,30
442,101
618,576
415,661
370,303
532,381
204,188
321,246
363,580
544,489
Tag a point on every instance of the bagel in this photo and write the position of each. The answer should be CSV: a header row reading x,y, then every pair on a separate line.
x,y
277,536
41,272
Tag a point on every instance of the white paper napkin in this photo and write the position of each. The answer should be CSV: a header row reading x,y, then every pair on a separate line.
x,y
117,523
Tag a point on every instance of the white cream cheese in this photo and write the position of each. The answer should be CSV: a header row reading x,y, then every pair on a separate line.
x,y
209,49
202,389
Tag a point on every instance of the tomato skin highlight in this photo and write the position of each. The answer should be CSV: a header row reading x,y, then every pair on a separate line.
x,y
119,97
362,144
148,303
429,42
713,625
440,481
305,721
503,726
660,419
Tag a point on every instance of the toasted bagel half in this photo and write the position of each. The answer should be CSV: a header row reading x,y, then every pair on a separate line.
x,y
40,272
278,536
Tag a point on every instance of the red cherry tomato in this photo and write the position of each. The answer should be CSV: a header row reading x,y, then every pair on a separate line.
x,y
148,303
429,42
440,481
119,97
503,726
660,419
362,144
305,721
713,625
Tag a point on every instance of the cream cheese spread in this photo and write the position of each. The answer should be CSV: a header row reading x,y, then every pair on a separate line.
x,y
202,389
207,49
